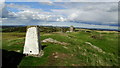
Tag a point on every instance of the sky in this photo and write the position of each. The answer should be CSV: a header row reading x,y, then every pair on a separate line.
x,y
78,14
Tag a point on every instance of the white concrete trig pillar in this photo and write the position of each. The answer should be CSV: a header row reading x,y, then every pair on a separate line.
x,y
32,41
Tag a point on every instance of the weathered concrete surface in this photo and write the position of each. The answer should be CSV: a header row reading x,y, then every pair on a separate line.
x,y
32,41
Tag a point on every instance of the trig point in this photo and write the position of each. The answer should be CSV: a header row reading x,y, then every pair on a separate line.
x,y
32,41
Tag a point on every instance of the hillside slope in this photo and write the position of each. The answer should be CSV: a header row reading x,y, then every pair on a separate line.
x,y
80,49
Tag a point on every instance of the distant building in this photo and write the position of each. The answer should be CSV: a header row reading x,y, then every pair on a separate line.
x,y
72,29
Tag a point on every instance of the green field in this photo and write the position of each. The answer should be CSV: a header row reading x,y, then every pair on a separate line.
x,y
84,48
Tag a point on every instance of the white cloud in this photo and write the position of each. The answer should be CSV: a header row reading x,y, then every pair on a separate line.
x,y
62,0
1,7
28,13
102,13
94,13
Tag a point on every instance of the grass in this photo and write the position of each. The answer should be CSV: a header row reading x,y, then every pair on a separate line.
x,y
77,53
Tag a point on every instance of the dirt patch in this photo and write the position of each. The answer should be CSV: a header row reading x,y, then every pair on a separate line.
x,y
97,36
82,64
60,55
55,58
46,34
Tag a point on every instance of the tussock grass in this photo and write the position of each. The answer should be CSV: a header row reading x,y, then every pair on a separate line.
x,y
77,53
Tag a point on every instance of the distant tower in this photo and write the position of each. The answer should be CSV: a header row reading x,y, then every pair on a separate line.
x,y
71,28
32,41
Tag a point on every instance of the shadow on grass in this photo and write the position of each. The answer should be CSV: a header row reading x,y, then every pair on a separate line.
x,y
43,46
11,58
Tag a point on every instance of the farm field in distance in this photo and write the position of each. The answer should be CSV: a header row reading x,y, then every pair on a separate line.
x,y
81,48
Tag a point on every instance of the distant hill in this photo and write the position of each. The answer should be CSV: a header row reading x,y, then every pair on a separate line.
x,y
46,29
